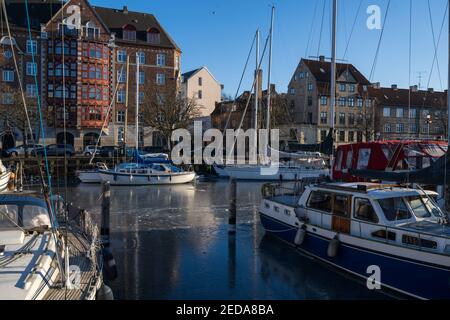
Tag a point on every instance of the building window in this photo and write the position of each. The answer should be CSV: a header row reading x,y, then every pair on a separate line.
x,y
121,76
360,102
121,96
129,33
153,36
342,101
323,100
141,57
351,102
7,54
310,101
91,31
368,103
413,128
292,91
31,91
342,118
141,97
292,105
387,128
341,136
121,116
400,113
7,98
200,94
323,135
200,81
342,87
121,56
301,75
141,77
160,79
161,59
31,46
399,127
351,119
31,69
323,118
412,113
310,87
8,75
386,112
351,88
351,136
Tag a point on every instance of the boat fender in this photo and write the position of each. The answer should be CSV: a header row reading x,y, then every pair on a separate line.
x,y
104,293
301,235
109,265
333,247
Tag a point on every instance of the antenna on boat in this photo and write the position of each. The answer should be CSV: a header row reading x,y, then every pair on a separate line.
x,y
137,103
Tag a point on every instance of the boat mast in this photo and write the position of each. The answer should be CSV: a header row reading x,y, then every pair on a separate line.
x,y
255,116
126,104
448,84
137,103
269,88
333,69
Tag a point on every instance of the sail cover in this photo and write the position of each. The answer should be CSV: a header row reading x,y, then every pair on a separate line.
x,y
326,147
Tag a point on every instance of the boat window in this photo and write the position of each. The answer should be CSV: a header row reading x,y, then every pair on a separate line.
x,y
320,200
363,159
339,160
432,207
287,212
394,209
418,207
277,209
267,205
363,210
340,207
382,235
159,167
414,241
8,216
34,217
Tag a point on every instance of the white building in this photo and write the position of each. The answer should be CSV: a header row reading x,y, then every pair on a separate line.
x,y
200,84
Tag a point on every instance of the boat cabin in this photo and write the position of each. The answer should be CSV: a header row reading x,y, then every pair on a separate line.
x,y
385,156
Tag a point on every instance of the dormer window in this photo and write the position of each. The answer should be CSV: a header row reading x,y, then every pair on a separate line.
x,y
129,33
153,36
91,30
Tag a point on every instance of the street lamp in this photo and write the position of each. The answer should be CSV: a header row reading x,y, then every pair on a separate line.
x,y
428,124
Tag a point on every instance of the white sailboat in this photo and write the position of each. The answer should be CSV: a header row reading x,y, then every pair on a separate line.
x,y
149,169
301,166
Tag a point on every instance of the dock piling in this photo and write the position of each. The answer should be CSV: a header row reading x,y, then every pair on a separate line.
x,y
232,206
105,214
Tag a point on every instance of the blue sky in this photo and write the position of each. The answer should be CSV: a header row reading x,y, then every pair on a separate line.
x,y
218,34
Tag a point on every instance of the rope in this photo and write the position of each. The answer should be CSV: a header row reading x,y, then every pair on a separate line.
x,y
353,29
409,67
434,43
321,27
311,28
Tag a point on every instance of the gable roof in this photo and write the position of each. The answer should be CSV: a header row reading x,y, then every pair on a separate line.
x,y
400,97
187,75
116,19
321,70
40,11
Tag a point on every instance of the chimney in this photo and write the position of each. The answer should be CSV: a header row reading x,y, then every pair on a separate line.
x,y
322,58
394,87
125,10
414,88
430,90
376,85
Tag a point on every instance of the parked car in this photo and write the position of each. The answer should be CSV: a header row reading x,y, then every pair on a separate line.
x,y
89,150
111,151
54,150
21,150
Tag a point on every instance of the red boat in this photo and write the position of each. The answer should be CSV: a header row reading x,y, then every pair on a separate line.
x,y
387,156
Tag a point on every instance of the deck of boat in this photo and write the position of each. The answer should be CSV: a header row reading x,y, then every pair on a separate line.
x,y
89,276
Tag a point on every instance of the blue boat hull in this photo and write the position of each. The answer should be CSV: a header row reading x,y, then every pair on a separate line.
x,y
406,276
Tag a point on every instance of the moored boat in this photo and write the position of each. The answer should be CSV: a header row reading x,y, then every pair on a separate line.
x,y
359,227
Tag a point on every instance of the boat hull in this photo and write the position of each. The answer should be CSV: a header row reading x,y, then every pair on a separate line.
x,y
284,173
89,176
123,179
414,278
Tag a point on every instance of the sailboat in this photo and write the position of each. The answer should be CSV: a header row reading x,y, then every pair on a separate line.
x,y
299,166
145,170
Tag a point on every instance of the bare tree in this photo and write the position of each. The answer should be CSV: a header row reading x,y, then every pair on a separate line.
x,y
165,111
12,111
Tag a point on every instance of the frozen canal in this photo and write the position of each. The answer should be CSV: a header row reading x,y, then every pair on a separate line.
x,y
171,242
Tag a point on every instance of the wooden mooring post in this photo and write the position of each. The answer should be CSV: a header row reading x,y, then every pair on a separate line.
x,y
232,206
106,204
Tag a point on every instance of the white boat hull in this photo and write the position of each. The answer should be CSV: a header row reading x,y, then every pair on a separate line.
x,y
125,179
92,176
4,179
284,173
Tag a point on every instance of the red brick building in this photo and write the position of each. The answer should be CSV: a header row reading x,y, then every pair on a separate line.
x,y
78,68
